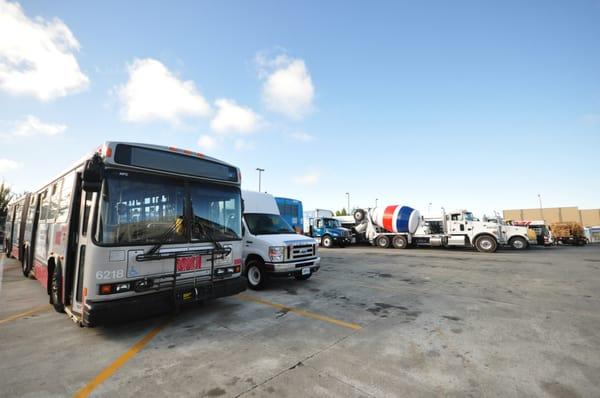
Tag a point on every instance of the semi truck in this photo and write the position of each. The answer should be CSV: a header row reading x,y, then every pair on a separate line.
x,y
327,230
402,227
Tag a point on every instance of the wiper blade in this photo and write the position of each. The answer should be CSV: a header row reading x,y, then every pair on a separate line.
x,y
163,239
205,232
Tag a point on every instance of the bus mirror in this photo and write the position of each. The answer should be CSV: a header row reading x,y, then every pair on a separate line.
x,y
93,173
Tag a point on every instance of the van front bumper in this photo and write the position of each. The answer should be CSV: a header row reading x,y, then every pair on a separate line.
x,y
292,268
102,312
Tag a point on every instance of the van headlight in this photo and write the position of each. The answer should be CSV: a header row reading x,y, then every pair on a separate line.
x,y
276,253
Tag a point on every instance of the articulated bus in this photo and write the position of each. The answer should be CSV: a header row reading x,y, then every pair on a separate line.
x,y
132,229
292,213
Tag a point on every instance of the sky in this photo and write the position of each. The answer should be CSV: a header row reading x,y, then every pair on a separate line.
x,y
466,104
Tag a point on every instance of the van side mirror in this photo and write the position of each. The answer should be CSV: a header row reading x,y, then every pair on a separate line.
x,y
93,174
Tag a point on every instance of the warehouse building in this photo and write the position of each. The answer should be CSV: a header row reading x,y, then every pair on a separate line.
x,y
585,217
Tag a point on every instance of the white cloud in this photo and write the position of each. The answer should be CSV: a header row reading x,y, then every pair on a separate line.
x,y
207,142
154,93
243,145
234,118
7,165
309,178
288,88
302,136
32,126
37,56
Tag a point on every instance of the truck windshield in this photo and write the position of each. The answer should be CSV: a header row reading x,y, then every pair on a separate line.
x,y
469,217
267,224
137,208
331,223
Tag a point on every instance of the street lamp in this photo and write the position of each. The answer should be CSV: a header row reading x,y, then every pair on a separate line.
x,y
259,176
376,200
348,195
541,209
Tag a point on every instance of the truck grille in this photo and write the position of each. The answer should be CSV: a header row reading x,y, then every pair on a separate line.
x,y
300,251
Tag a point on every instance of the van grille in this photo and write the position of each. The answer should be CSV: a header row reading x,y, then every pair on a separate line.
x,y
297,252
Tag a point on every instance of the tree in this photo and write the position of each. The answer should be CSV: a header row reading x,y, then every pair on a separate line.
x,y
5,196
342,212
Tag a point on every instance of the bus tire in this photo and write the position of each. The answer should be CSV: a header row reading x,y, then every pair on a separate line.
x,y
486,244
256,274
56,289
327,241
400,242
382,241
518,243
26,264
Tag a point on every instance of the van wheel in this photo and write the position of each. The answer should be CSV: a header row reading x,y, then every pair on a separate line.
x,y
486,244
26,263
382,241
518,243
255,275
327,242
400,242
56,289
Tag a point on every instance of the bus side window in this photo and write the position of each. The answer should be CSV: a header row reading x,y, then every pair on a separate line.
x,y
86,213
44,206
54,199
65,198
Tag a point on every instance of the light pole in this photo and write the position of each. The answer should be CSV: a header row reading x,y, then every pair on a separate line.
x,y
376,200
429,209
541,209
348,195
259,176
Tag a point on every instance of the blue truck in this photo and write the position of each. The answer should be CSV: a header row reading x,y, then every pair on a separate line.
x,y
321,225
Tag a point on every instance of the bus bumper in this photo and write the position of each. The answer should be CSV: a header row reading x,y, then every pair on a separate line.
x,y
104,312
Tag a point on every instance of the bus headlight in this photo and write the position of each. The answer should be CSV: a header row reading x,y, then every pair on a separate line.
x,y
276,253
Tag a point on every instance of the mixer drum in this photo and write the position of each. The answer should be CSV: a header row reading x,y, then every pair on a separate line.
x,y
396,218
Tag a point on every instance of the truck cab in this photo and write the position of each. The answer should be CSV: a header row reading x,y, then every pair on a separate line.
x,y
271,247
329,232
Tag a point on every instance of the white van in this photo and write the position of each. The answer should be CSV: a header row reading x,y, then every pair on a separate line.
x,y
271,248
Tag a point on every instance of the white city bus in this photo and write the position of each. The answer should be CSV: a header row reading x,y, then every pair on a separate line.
x,y
135,228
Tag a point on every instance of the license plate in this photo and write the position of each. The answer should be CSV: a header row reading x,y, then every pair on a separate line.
x,y
184,264
305,271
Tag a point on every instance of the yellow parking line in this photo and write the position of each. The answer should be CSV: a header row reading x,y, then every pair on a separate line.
x,y
26,313
300,312
113,367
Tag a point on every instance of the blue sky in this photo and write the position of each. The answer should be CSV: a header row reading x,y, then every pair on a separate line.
x,y
465,104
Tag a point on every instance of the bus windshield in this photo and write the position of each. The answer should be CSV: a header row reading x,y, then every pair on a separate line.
x,y
138,208
267,224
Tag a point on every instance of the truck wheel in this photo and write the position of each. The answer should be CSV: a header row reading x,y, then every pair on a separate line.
x,y
56,286
255,275
518,243
486,244
359,215
400,242
382,241
327,242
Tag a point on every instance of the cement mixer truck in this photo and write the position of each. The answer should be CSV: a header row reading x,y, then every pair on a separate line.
x,y
403,226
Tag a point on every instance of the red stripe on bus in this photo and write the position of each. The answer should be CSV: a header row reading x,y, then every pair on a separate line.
x,y
388,214
41,273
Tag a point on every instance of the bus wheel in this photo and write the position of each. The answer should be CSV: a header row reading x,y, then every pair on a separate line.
x,y
518,243
255,274
382,241
399,242
56,289
26,263
327,242
486,244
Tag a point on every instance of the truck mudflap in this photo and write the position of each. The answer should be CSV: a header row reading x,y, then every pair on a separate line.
x,y
129,308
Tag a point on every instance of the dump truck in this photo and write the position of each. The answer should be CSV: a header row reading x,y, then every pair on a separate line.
x,y
569,233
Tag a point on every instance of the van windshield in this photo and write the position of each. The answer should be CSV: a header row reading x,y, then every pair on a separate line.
x,y
267,224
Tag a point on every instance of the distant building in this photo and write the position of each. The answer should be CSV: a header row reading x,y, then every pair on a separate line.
x,y
586,217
